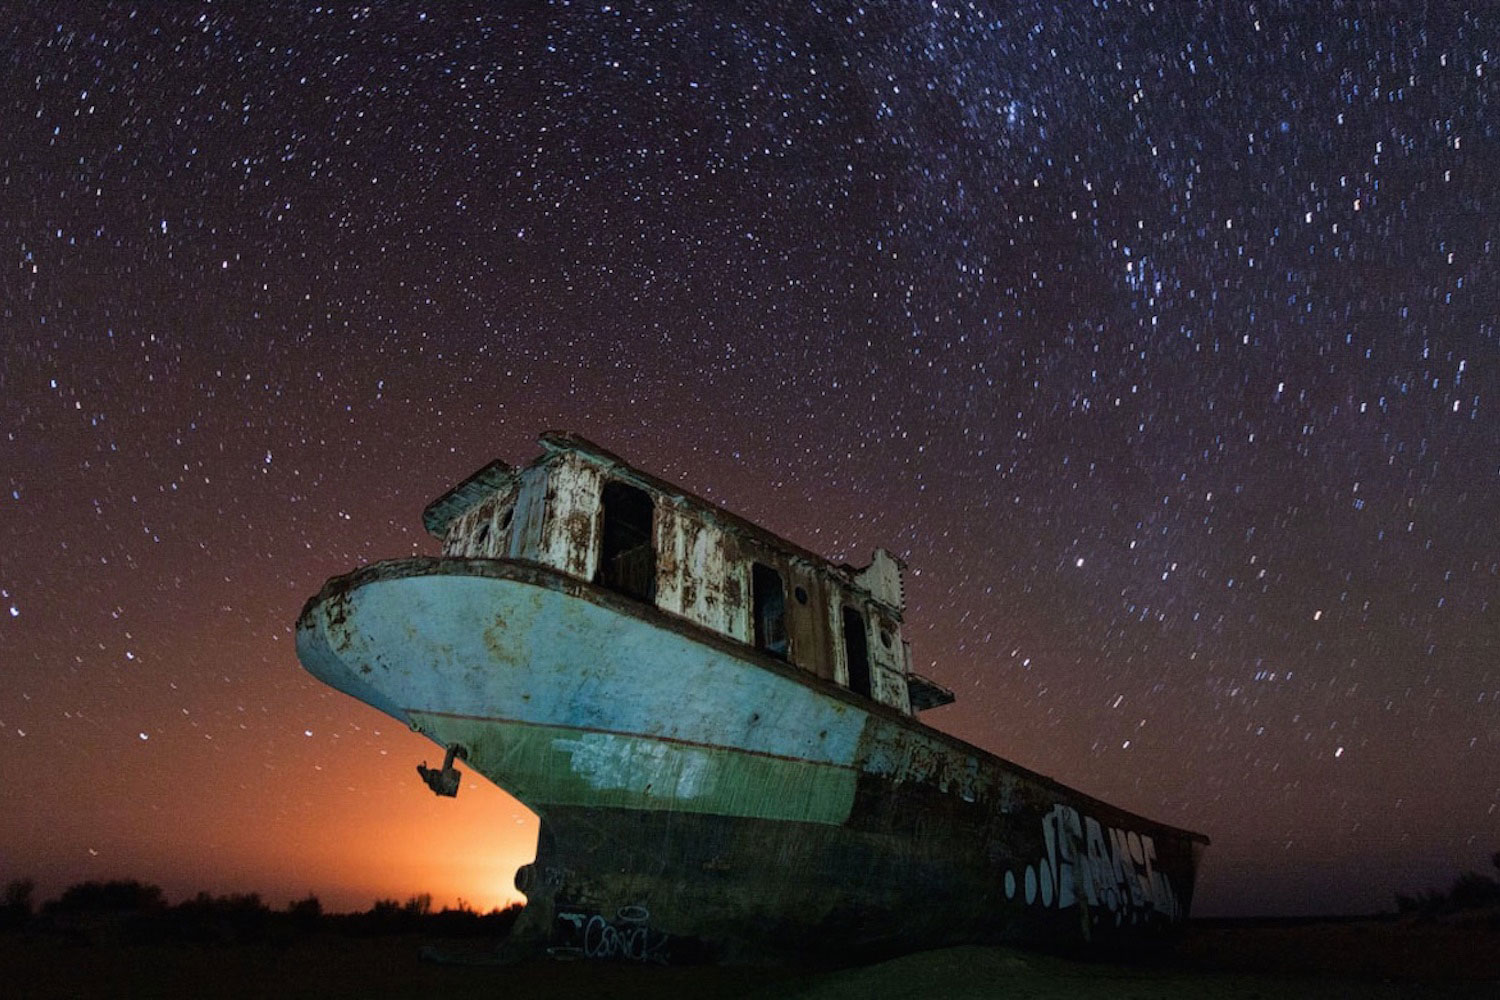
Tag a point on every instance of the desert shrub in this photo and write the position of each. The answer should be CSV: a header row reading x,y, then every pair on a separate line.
x,y
386,916
305,914
1473,891
122,896
130,912
466,922
109,912
1469,891
16,905
416,916
236,917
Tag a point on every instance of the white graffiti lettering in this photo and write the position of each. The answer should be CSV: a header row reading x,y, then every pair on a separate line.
x,y
1113,869
629,937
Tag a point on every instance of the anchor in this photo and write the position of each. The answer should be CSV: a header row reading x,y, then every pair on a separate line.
x,y
444,780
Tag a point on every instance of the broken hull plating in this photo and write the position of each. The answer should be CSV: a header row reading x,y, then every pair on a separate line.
x,y
700,800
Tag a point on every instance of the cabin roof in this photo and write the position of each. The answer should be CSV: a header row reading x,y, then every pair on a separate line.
x,y
441,512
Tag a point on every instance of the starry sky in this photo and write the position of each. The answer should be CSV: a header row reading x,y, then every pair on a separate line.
x,y
1158,338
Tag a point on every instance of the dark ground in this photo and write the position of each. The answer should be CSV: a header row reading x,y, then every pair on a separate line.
x,y
1368,959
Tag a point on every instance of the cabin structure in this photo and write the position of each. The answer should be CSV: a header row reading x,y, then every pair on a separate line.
x,y
583,511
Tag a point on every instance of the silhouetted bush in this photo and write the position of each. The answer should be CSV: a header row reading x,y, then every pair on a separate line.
x,y
110,912
1473,891
464,922
305,914
1470,891
109,897
223,919
16,906
386,917
415,916
130,912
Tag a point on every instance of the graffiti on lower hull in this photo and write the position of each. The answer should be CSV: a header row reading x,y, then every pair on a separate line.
x,y
1087,864
628,937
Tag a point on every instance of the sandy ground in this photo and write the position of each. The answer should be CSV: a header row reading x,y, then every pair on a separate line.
x,y
1368,960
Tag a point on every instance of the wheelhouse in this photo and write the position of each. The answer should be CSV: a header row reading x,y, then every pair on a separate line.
x,y
582,511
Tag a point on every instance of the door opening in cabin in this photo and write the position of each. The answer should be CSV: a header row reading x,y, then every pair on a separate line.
x,y
627,554
769,597
857,652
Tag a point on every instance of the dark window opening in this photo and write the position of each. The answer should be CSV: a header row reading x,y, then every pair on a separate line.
x,y
627,553
489,534
856,652
769,611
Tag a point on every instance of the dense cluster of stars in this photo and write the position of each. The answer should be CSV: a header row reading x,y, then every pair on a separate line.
x,y
1159,338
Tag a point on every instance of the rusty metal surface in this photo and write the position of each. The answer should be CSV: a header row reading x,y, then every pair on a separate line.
x,y
719,887
946,848
813,646
913,868
483,530
325,612
550,513
694,572
699,796
935,841
575,448
570,540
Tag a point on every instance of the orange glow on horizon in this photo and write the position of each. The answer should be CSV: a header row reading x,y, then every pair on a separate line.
x,y
461,850
396,839
292,802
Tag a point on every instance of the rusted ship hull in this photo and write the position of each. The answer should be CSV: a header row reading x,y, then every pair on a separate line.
x,y
699,799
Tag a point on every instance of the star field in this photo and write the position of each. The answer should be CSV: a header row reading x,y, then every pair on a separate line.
x,y
1158,338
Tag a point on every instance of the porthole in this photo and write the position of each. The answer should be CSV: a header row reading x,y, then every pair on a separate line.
x,y
885,639
801,595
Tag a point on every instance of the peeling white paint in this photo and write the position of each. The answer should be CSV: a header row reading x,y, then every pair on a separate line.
x,y
612,761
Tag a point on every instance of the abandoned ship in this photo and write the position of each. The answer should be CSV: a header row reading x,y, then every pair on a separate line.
x,y
718,731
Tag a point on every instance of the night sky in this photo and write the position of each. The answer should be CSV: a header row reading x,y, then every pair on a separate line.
x,y
1160,339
